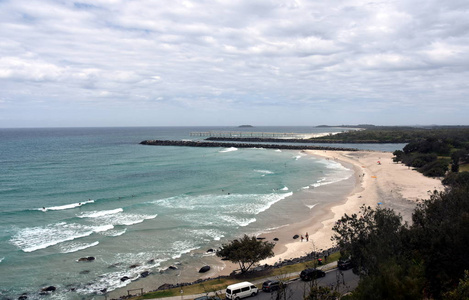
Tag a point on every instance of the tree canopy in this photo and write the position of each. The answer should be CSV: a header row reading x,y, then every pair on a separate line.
x,y
425,260
246,251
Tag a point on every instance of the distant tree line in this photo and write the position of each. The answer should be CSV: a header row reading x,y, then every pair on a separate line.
x,y
393,134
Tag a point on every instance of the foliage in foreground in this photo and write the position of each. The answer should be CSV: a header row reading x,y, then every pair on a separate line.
x,y
246,251
398,261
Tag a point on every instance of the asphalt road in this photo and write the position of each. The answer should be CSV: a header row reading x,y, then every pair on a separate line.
x,y
297,290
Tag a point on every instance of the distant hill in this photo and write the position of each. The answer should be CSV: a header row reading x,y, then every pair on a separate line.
x,y
244,126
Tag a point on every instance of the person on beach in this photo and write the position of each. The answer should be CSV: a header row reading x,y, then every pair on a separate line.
x,y
302,238
307,236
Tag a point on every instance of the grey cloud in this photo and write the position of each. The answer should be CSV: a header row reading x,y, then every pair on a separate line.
x,y
268,55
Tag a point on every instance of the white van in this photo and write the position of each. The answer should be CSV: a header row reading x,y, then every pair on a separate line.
x,y
240,290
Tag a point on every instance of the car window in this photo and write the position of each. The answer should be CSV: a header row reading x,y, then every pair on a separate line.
x,y
245,289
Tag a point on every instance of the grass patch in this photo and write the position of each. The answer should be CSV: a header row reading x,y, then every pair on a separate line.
x,y
464,168
221,283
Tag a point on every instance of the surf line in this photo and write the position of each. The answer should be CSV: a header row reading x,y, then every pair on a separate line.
x,y
66,206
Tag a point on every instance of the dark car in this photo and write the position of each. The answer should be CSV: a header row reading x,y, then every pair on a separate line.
x,y
310,274
208,298
271,285
344,264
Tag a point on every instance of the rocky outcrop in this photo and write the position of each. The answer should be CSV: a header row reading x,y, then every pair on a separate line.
x,y
48,289
144,274
238,145
89,258
204,269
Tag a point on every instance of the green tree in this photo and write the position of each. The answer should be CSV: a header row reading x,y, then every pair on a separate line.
x,y
461,292
439,237
246,251
369,237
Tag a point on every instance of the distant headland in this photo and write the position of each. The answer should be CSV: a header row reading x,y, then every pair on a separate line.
x,y
245,126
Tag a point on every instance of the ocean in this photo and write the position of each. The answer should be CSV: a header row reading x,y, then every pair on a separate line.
x,y
71,193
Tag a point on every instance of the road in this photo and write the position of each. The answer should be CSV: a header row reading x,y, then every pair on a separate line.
x,y
296,290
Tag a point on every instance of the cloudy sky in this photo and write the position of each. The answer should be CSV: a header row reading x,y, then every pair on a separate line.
x,y
232,62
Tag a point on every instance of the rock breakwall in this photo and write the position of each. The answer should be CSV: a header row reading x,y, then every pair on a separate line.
x,y
239,145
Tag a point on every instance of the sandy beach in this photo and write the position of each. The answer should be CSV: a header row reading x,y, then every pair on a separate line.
x,y
393,185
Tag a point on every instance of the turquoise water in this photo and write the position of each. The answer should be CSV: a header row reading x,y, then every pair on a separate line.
x,y
77,192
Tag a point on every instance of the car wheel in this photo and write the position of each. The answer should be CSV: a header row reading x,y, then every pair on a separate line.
x,y
253,294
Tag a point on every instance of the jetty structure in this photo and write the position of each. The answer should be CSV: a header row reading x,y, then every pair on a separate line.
x,y
242,134
240,145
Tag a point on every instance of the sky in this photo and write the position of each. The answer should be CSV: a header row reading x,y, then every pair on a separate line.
x,y
260,62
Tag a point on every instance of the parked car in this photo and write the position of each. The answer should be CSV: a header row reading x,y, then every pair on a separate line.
x,y
311,273
344,264
271,285
208,298
240,290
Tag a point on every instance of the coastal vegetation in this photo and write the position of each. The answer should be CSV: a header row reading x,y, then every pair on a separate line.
x,y
434,156
395,134
425,260
246,251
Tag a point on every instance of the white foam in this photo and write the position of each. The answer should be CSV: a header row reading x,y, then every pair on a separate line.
x,y
74,247
115,232
284,188
66,206
310,206
1,259
278,150
97,214
231,149
112,280
242,222
264,171
122,219
34,238
182,247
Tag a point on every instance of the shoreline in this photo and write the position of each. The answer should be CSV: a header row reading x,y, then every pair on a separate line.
x,y
394,185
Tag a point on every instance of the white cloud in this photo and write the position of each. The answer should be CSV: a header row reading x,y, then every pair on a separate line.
x,y
199,56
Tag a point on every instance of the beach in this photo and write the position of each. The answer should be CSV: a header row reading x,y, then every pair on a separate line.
x,y
378,180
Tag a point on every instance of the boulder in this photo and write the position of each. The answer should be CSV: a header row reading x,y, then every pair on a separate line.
x,y
276,239
296,236
23,297
204,269
172,268
134,266
85,272
48,289
125,278
145,274
165,286
210,250
89,258
261,238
